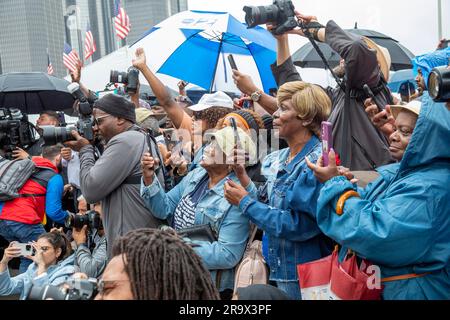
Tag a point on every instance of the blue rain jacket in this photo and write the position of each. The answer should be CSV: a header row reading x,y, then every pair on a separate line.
x,y
402,220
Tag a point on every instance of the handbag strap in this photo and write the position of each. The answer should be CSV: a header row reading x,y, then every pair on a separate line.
x,y
404,277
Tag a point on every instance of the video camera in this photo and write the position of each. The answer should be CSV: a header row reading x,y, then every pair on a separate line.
x,y
439,84
53,135
76,289
281,12
91,219
129,78
15,131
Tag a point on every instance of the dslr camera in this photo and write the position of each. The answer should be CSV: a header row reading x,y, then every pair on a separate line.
x,y
74,289
91,219
129,78
281,13
15,131
439,84
53,135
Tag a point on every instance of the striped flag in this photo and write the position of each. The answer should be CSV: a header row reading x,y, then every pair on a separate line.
x,y
70,58
49,65
121,21
89,43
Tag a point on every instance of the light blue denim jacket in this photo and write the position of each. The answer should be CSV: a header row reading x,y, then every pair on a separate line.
x,y
288,219
227,220
21,284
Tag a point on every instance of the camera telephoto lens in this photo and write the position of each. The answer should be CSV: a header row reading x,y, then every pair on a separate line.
x,y
260,15
118,77
439,84
53,135
46,292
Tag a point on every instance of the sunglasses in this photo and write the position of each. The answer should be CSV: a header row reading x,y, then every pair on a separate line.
x,y
97,122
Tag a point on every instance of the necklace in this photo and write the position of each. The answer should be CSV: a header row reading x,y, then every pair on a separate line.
x,y
290,157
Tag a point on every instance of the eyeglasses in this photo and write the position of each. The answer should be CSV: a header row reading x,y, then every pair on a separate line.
x,y
97,123
102,283
45,248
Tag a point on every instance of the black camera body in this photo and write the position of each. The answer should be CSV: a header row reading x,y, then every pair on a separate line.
x,y
15,131
84,126
439,84
91,219
281,13
77,289
129,78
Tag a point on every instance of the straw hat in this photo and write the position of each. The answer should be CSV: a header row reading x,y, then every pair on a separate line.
x,y
383,57
412,106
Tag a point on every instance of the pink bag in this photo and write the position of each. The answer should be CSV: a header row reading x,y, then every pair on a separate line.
x,y
327,279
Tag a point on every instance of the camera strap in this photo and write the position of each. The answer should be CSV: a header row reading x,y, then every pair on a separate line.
x,y
305,29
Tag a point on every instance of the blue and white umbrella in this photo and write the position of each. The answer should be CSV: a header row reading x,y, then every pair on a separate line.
x,y
194,45
399,77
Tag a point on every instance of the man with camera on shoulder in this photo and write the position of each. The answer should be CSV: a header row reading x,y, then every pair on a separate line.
x,y
115,178
89,236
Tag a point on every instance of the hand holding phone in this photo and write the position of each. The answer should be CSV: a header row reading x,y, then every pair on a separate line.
x,y
26,249
232,62
327,141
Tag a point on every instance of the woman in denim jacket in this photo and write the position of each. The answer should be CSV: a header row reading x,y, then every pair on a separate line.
x,y
293,235
50,267
199,199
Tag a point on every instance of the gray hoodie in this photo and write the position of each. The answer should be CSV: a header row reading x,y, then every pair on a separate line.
x,y
122,205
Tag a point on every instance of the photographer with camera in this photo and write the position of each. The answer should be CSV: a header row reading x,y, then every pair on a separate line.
x,y
22,218
360,145
18,135
89,236
52,264
115,178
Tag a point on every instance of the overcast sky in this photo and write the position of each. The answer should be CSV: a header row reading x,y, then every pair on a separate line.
x,y
412,22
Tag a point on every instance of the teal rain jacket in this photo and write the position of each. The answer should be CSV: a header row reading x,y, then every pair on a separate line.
x,y
402,221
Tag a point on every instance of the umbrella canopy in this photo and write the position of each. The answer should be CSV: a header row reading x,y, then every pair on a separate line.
x,y
194,45
399,77
33,92
307,57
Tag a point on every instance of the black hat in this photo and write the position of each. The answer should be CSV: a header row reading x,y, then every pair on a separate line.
x,y
117,106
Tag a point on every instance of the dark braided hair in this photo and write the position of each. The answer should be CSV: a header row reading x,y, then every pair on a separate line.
x,y
161,266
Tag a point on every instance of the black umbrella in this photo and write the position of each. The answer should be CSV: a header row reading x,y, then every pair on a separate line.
x,y
33,92
307,57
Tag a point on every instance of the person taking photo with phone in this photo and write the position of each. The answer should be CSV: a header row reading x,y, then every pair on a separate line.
x,y
53,264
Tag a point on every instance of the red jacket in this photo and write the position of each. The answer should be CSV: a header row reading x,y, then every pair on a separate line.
x,y
29,210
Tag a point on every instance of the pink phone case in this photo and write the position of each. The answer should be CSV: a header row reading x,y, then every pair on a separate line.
x,y
327,141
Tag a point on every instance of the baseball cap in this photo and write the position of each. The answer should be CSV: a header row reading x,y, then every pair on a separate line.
x,y
209,100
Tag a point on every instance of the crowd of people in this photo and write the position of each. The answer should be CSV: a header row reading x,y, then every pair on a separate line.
x,y
155,177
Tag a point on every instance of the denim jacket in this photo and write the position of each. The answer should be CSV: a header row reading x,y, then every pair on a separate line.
x,y
288,220
22,284
227,220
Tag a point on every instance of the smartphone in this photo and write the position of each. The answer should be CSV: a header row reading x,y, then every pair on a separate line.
x,y
235,130
232,62
171,138
370,95
327,141
26,249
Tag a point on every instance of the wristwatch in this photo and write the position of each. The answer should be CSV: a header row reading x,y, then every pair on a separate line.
x,y
256,95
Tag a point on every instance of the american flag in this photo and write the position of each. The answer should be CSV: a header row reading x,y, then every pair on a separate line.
x,y
89,43
121,21
70,58
49,65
